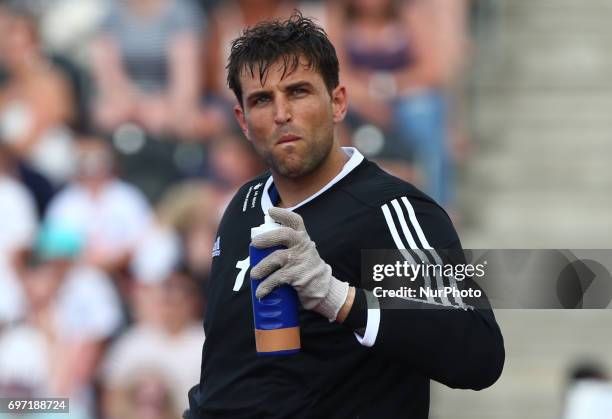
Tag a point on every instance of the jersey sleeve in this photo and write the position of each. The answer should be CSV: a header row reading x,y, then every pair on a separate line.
x,y
448,341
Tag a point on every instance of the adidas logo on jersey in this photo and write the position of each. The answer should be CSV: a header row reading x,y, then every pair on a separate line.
x,y
217,247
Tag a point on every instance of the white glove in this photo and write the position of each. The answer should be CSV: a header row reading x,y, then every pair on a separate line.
x,y
299,265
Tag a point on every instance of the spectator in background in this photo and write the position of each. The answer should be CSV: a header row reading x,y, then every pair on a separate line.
x,y
18,223
27,347
5,22
147,69
398,57
193,209
69,26
147,395
588,393
73,310
111,214
36,102
166,341
233,162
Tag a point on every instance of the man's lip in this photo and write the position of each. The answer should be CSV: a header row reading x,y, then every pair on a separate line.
x,y
288,138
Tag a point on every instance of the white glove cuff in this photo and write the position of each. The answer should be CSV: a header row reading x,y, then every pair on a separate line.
x,y
335,299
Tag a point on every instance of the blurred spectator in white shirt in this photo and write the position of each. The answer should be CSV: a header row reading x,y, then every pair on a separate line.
x,y
113,215
73,310
168,343
18,225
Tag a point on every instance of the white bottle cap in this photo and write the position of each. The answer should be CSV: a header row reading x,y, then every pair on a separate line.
x,y
268,225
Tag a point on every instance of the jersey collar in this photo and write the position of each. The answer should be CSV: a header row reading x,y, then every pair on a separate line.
x,y
355,158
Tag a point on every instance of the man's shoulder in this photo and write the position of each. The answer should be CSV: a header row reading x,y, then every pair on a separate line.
x,y
374,187
413,219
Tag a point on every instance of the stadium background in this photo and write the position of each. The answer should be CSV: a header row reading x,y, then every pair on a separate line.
x,y
528,90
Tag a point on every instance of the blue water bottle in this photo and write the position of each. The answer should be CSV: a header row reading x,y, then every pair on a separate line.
x,y
277,331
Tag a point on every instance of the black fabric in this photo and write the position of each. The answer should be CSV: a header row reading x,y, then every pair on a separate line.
x,y
334,376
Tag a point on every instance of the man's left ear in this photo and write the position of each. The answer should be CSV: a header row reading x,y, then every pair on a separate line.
x,y
339,103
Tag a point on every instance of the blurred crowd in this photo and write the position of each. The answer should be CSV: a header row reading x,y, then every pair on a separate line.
x,y
118,154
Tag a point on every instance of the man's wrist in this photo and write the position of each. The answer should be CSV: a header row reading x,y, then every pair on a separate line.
x,y
346,307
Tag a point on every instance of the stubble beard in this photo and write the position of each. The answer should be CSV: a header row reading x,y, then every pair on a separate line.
x,y
296,165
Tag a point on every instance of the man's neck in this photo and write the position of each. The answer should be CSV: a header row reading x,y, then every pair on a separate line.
x,y
292,191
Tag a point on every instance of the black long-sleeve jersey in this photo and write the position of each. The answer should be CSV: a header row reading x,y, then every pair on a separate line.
x,y
338,373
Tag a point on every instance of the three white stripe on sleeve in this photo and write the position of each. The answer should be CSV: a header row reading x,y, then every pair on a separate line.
x,y
402,236
402,219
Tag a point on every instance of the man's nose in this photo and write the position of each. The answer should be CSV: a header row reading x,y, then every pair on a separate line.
x,y
282,113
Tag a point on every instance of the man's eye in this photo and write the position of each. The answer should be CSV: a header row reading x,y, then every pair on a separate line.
x,y
261,100
300,91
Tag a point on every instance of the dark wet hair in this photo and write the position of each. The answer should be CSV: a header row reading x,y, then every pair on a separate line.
x,y
295,40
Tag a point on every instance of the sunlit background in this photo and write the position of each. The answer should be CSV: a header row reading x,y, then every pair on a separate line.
x,y
119,152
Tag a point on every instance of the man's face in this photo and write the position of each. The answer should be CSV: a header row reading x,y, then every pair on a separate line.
x,y
290,120
94,160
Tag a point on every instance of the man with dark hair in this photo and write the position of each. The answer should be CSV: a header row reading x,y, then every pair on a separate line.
x,y
359,357
296,40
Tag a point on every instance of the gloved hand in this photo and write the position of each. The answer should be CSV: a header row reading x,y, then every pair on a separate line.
x,y
299,266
